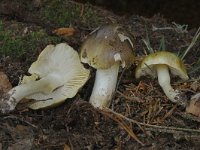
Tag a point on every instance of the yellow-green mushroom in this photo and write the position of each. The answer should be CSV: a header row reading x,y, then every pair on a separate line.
x,y
160,64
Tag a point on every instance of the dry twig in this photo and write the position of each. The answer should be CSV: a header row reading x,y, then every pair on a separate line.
x,y
20,119
151,127
169,113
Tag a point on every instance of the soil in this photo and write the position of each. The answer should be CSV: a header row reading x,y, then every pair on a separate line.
x,y
180,11
76,124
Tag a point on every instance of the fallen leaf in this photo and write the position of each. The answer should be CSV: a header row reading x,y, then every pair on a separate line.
x,y
64,31
66,147
141,86
194,105
5,84
195,85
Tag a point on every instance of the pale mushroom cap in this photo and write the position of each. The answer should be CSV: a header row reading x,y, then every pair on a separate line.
x,y
106,45
55,58
59,95
63,60
148,65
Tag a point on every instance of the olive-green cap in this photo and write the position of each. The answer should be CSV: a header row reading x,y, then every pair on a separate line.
x,y
107,45
174,63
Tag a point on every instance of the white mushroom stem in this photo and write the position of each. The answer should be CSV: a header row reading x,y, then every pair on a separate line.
x,y
104,86
44,85
164,81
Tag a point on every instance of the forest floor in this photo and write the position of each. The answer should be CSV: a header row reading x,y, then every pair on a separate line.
x,y
139,107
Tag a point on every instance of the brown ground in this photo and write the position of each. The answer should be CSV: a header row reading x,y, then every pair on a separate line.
x,y
77,125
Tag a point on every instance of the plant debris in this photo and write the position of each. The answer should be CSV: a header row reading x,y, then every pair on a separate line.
x,y
64,31
194,105
5,84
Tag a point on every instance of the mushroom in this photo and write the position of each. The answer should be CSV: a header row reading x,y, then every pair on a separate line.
x,y
105,49
56,75
159,64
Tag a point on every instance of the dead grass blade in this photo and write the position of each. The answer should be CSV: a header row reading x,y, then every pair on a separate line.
x,y
196,36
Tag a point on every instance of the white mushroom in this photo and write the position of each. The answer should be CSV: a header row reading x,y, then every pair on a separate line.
x,y
105,49
158,65
56,75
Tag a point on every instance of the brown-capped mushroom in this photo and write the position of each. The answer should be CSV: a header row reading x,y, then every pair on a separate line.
x,y
105,49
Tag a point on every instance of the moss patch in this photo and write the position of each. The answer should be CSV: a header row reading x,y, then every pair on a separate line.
x,y
15,43
63,13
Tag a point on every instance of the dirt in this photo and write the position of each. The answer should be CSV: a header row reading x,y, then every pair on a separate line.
x,y
181,11
76,124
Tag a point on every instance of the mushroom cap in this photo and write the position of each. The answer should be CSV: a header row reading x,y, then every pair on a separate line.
x,y
106,45
63,60
174,63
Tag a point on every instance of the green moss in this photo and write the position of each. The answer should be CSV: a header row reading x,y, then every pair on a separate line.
x,y
9,44
15,46
90,17
63,13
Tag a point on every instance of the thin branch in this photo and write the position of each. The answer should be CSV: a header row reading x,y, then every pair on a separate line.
x,y
20,119
158,128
